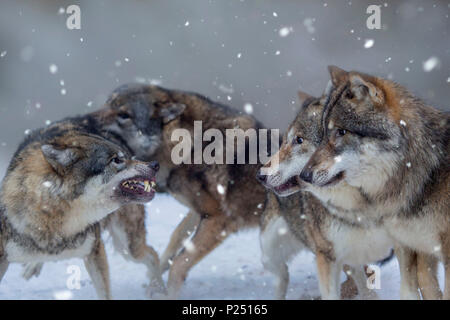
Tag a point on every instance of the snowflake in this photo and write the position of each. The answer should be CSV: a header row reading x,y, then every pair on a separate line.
x,y
369,43
430,64
53,68
220,189
248,108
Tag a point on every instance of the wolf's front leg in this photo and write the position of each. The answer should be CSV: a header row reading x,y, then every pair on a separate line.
x,y
328,271
211,232
32,269
409,285
183,231
97,266
3,266
127,229
427,277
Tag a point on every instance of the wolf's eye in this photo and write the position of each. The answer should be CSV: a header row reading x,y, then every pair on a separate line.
x,y
349,94
123,115
117,160
341,132
298,140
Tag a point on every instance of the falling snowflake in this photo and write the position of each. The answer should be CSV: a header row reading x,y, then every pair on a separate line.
x,y
282,231
275,14
89,104
408,164
430,64
369,43
277,52
3,53
220,189
53,68
285,31
248,108
27,132
239,55
47,184
337,159
403,123
63,91
186,24
48,122
189,246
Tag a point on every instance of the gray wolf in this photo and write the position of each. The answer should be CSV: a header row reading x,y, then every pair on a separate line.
x,y
59,185
215,212
334,241
392,148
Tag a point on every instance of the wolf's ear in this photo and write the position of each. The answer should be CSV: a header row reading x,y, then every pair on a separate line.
x,y
362,87
59,158
303,96
338,75
172,111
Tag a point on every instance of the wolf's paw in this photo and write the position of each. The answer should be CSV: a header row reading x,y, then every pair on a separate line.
x,y
32,269
156,291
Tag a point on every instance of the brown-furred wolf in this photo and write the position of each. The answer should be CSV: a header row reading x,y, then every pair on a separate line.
x,y
215,212
60,184
393,149
222,198
335,242
127,225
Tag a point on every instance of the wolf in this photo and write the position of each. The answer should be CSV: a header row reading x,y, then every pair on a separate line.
x,y
222,199
312,227
58,186
126,226
392,148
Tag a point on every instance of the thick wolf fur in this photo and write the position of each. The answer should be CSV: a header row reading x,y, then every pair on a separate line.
x,y
127,225
59,185
213,215
392,148
329,237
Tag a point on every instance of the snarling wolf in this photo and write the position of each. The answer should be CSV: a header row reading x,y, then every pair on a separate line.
x,y
334,241
389,145
59,185
127,225
222,199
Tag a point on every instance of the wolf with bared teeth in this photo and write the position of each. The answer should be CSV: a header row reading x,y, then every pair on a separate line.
x,y
61,183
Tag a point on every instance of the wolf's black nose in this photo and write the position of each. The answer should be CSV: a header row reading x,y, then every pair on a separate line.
x,y
306,175
154,165
261,177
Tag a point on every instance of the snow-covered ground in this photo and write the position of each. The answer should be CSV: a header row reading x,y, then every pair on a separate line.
x,y
232,271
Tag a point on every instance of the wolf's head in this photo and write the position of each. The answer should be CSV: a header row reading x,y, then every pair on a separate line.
x,y
75,179
299,142
364,130
136,114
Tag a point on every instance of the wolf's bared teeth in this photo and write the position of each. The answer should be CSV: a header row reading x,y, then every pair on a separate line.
x,y
153,184
146,186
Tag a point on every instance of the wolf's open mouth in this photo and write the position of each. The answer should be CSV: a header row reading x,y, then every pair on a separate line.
x,y
139,187
291,183
335,179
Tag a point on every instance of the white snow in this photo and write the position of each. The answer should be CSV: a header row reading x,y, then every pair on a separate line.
x,y
215,277
248,108
220,189
430,64
285,31
369,43
53,68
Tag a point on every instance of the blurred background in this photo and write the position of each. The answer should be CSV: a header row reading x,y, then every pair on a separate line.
x,y
239,52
